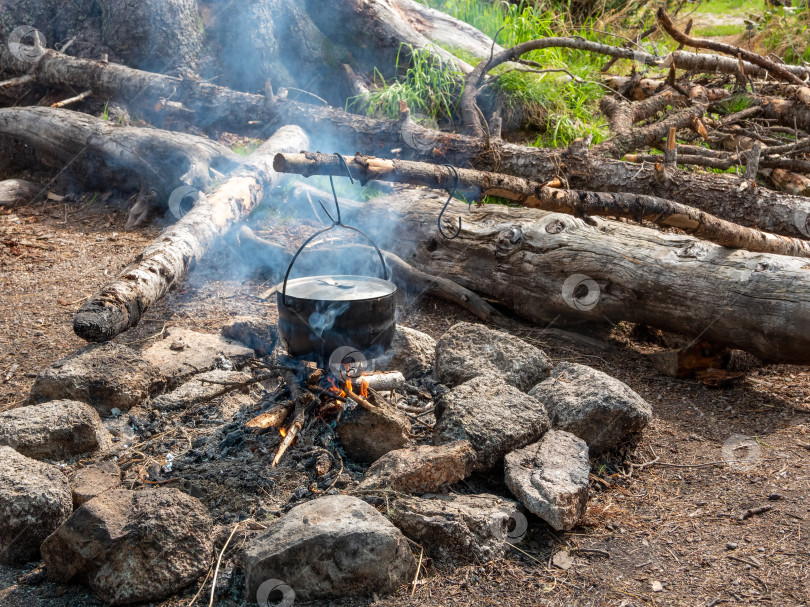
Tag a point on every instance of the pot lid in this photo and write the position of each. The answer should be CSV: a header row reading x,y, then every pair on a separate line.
x,y
341,287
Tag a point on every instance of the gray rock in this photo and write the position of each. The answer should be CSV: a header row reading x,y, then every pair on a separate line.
x,y
133,546
471,350
185,353
54,430
197,389
459,528
34,501
331,547
412,353
105,376
93,480
592,405
253,331
495,417
368,436
550,478
423,469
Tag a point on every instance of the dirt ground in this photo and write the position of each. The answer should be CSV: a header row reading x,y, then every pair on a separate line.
x,y
672,533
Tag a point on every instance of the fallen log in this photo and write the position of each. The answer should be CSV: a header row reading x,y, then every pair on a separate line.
x,y
553,268
663,212
720,195
120,304
15,192
160,160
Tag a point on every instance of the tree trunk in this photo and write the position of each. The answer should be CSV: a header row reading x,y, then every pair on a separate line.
x,y
15,192
121,304
552,268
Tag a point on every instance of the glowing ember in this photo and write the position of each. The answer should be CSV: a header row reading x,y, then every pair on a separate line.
x,y
282,431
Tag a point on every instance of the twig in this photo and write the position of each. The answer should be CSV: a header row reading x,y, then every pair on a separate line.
x,y
219,561
418,567
753,511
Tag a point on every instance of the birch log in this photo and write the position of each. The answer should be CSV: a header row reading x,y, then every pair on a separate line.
x,y
552,268
120,304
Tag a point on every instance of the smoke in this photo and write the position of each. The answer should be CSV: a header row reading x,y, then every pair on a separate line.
x,y
324,316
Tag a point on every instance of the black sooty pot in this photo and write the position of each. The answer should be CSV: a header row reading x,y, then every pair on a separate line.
x,y
319,316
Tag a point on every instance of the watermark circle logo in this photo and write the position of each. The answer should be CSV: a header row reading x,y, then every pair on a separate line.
x,y
182,199
581,292
422,137
347,363
26,43
275,593
509,526
740,451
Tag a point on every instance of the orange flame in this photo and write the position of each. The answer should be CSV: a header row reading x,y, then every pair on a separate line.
x,y
334,388
282,431
363,388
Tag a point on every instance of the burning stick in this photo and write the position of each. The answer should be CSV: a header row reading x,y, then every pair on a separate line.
x,y
301,398
350,393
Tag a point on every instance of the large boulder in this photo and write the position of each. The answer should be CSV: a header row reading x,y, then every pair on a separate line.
x,y
550,478
412,353
471,350
331,547
105,376
34,501
459,528
494,417
423,469
184,353
592,405
367,436
133,546
54,430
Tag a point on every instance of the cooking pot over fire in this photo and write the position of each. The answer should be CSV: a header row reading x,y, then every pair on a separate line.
x,y
334,320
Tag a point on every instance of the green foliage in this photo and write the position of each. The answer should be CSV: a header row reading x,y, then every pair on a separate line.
x,y
246,149
735,104
427,86
105,114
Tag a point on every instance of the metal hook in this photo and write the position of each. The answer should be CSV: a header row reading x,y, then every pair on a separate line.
x,y
446,204
334,193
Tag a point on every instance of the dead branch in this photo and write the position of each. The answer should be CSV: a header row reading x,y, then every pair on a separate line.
x,y
121,304
773,68
663,212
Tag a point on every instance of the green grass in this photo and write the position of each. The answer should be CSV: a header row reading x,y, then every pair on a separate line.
x,y
730,7
550,103
728,29
427,86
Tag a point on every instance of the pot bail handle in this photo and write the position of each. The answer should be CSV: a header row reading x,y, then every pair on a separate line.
x,y
335,223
